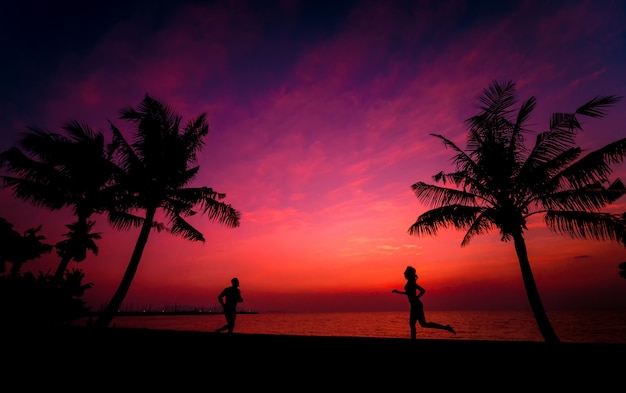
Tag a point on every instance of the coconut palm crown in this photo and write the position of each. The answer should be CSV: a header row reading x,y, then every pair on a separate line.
x,y
499,182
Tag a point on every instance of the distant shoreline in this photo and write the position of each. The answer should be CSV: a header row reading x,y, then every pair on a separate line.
x,y
155,313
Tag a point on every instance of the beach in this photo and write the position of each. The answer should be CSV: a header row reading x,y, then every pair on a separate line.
x,y
81,358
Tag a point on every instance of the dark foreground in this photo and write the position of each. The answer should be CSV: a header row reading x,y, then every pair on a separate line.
x,y
84,359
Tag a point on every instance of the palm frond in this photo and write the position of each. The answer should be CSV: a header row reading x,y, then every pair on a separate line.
x,y
498,98
615,190
483,224
185,177
82,132
221,212
159,226
435,196
596,165
455,178
551,144
461,159
44,145
448,143
121,220
193,136
30,169
126,156
183,199
176,206
150,115
592,197
525,112
564,122
455,216
180,227
517,148
546,176
597,106
36,193
584,225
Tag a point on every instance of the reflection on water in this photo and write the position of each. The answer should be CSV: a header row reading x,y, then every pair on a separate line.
x,y
593,327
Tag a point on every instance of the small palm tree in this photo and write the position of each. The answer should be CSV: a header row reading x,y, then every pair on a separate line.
x,y
156,174
78,240
499,183
20,248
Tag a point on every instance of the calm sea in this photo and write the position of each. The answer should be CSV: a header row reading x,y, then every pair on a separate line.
x,y
592,327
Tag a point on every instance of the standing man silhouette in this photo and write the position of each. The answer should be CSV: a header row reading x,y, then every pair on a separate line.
x,y
228,298
414,292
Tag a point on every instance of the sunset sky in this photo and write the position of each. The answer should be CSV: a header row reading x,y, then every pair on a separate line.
x,y
320,117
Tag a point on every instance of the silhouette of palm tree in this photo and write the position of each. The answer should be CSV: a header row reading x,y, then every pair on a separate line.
x,y
79,240
28,300
156,172
20,248
57,170
499,183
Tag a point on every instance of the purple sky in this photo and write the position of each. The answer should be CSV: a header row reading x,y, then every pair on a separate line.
x,y
320,115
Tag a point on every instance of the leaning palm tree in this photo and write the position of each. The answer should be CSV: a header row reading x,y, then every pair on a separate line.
x,y
157,172
58,170
499,183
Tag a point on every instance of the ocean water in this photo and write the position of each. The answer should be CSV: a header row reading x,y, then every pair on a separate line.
x,y
591,327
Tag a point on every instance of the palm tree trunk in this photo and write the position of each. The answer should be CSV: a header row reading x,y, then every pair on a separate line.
x,y
545,327
116,302
58,274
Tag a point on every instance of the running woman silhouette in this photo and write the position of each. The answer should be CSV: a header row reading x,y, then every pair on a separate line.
x,y
414,292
